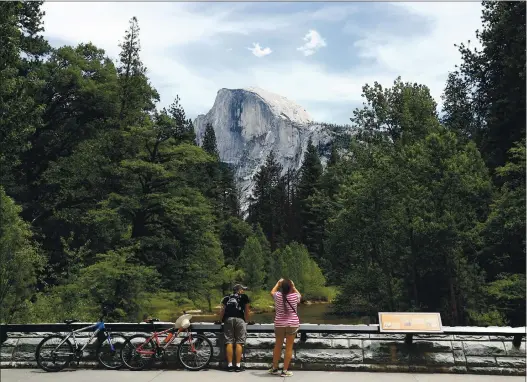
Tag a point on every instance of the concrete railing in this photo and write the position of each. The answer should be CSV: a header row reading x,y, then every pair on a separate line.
x,y
493,350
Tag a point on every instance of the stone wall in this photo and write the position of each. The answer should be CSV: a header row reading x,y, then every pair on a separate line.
x,y
346,352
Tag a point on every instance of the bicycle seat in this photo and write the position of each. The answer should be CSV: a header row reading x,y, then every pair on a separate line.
x,y
69,322
152,320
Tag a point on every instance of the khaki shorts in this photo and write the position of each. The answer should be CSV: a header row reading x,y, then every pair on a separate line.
x,y
235,331
283,331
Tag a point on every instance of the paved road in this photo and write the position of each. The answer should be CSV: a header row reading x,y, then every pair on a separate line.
x,y
30,375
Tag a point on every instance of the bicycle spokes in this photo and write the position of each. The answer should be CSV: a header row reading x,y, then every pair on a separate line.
x,y
138,351
55,353
195,352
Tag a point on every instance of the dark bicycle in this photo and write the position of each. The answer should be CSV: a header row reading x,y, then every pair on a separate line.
x,y
194,351
55,352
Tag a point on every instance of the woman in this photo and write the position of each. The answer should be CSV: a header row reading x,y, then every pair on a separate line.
x,y
286,323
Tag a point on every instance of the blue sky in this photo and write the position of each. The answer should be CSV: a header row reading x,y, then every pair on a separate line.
x,y
316,54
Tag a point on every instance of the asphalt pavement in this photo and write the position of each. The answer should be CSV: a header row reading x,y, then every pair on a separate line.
x,y
80,375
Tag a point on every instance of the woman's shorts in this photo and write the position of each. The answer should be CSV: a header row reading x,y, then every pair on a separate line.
x,y
283,331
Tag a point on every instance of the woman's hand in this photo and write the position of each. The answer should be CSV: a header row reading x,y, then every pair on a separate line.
x,y
276,287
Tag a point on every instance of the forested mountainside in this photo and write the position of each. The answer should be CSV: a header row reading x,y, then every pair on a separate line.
x,y
107,198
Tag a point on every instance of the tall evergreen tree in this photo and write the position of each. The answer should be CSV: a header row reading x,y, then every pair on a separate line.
x,y
485,98
267,200
22,49
137,97
209,141
184,129
310,220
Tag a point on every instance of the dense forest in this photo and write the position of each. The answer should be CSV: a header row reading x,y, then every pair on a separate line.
x,y
106,198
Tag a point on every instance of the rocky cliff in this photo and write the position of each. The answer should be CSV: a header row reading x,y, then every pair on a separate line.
x,y
251,122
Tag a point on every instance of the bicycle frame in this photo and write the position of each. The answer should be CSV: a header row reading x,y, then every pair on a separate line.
x,y
99,326
155,335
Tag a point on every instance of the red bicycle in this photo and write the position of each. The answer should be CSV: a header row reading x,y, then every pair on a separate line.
x,y
194,351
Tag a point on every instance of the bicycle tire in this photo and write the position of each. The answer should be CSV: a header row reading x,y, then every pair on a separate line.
x,y
130,347
114,355
203,341
39,358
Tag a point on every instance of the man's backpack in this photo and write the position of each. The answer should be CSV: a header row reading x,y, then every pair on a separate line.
x,y
232,306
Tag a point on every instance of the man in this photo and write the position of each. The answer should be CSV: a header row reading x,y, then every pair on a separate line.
x,y
234,313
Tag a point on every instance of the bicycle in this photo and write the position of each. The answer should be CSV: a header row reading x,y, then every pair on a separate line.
x,y
62,351
194,351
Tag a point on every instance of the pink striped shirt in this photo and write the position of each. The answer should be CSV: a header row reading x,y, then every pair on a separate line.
x,y
288,317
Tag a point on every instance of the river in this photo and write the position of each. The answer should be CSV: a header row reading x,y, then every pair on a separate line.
x,y
309,314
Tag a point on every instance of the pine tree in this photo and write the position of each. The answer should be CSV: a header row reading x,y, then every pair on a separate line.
x,y
136,95
308,213
209,141
310,172
484,99
334,156
267,201
184,129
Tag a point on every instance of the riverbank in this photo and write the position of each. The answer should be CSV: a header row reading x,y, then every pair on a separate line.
x,y
168,306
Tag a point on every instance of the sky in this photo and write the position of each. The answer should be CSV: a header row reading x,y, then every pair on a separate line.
x,y
316,54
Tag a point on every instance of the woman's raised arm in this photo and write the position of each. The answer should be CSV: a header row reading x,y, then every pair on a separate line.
x,y
296,290
275,288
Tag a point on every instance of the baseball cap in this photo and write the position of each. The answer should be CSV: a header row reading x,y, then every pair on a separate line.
x,y
237,287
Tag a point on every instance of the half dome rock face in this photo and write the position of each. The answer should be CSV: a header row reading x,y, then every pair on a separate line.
x,y
250,123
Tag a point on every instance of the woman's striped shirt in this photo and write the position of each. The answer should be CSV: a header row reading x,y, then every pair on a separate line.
x,y
286,317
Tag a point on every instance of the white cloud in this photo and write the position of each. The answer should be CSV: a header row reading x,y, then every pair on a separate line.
x,y
258,51
314,42
423,58
166,28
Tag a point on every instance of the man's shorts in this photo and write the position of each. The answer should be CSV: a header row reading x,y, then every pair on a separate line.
x,y
235,331
283,331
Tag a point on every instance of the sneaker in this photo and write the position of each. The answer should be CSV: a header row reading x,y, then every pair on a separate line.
x,y
230,368
238,369
273,371
286,373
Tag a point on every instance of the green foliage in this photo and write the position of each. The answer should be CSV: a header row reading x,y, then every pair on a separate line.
x,y
230,276
115,280
233,234
294,262
118,199
310,203
413,207
485,97
252,262
205,267
268,201
21,49
136,95
20,261
402,113
504,230
209,141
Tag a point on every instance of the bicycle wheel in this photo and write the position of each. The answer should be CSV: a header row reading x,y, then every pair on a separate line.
x,y
51,355
134,359
197,354
108,358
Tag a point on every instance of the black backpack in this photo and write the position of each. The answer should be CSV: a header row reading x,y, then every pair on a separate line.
x,y
233,307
